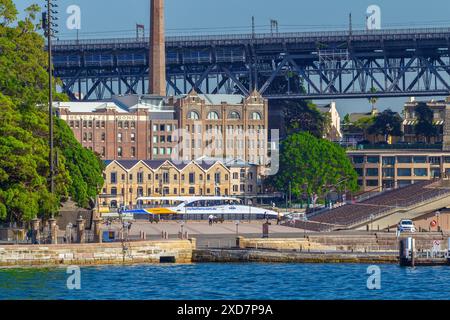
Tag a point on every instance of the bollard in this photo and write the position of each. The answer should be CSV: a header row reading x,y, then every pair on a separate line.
x,y
97,230
53,231
35,229
80,230
448,250
144,235
186,235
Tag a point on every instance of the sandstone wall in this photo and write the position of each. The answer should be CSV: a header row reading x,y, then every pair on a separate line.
x,y
180,251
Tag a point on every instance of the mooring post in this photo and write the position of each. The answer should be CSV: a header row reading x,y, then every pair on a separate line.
x,y
412,248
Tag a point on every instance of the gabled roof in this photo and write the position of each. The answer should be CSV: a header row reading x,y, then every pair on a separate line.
x,y
154,164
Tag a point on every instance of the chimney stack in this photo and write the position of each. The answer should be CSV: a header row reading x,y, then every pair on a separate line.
x,y
157,71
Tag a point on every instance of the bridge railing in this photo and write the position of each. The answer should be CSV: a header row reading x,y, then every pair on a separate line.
x,y
427,32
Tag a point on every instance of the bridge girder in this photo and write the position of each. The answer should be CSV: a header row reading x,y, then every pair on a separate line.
x,y
330,67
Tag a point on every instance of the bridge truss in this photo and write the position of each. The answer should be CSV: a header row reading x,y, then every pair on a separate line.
x,y
318,65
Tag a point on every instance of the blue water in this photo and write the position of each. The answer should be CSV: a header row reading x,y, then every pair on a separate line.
x,y
228,281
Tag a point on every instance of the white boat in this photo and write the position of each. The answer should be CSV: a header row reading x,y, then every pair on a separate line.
x,y
201,207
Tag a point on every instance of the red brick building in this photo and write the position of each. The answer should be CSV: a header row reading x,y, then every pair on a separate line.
x,y
148,127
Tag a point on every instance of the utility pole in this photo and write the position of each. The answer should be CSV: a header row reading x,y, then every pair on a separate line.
x,y
50,32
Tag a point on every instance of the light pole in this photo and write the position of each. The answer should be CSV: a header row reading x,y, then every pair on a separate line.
x,y
237,227
50,32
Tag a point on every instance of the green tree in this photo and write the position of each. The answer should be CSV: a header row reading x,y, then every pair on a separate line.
x,y
303,116
24,151
313,165
424,126
387,123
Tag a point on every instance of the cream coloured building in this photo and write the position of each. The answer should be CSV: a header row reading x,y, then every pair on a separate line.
x,y
126,180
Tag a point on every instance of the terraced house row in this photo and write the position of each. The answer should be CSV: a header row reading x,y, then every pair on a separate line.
x,y
127,180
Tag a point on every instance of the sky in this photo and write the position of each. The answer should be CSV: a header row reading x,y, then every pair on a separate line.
x,y
117,18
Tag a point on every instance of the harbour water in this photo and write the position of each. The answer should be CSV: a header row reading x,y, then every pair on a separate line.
x,y
228,281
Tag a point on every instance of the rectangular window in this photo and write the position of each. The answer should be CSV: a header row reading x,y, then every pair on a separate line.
x,y
155,128
372,172
404,172
358,159
404,159
421,159
155,151
191,178
155,139
373,159
388,172
372,183
166,178
113,177
140,177
389,161
420,172
435,160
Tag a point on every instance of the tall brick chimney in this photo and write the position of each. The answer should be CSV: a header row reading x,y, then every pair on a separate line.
x,y
157,71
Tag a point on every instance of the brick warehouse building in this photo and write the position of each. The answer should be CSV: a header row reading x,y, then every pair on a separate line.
x,y
137,127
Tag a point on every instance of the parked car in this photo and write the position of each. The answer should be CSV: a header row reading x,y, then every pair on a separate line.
x,y
406,225
294,216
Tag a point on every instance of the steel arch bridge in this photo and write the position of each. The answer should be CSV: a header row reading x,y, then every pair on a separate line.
x,y
314,65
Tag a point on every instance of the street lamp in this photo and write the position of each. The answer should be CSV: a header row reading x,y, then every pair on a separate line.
x,y
49,30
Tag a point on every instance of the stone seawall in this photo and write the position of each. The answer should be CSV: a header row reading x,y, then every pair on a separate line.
x,y
267,256
178,251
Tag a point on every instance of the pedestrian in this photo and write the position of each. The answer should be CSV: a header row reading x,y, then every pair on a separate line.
x,y
210,219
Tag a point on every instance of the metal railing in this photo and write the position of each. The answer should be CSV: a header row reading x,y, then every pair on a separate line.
x,y
402,204
420,33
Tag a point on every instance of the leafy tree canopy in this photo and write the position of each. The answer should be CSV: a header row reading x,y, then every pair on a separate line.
x,y
303,116
424,126
24,151
387,123
314,165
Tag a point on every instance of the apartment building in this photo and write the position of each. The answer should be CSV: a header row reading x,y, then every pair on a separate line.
x,y
381,169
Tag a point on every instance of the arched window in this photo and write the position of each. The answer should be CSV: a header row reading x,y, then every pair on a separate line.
x,y
193,115
234,115
255,116
213,115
